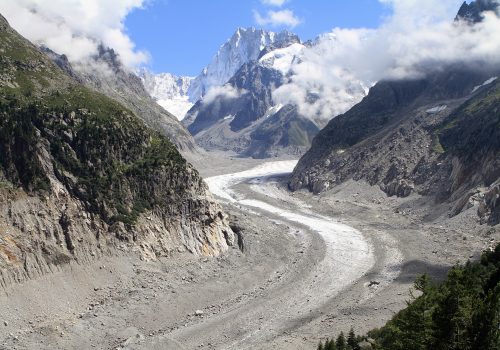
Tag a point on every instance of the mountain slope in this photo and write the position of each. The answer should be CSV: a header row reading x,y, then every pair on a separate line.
x,y
243,116
82,177
416,136
106,74
246,120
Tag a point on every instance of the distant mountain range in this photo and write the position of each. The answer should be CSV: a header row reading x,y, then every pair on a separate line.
x,y
230,105
178,94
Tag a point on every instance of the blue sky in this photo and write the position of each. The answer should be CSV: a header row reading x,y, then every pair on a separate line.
x,y
181,36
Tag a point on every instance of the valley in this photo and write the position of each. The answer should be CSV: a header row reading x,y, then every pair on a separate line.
x,y
308,265
288,191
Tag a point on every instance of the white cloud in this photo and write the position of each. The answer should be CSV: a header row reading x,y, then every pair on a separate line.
x,y
226,92
76,27
277,18
277,3
420,37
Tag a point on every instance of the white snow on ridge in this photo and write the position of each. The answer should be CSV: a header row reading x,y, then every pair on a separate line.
x,y
487,82
436,109
273,110
244,46
177,94
282,59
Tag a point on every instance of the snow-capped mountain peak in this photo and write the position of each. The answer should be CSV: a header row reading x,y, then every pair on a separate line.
x,y
169,91
178,94
244,46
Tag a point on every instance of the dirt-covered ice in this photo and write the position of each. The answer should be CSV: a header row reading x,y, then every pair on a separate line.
x,y
310,267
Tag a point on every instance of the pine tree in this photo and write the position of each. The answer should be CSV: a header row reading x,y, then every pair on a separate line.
x,y
341,343
351,340
320,346
331,345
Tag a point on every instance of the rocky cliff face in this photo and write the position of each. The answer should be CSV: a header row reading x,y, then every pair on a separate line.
x,y
436,136
246,116
243,117
105,73
81,176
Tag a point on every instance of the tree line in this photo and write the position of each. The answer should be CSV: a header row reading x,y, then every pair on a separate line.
x,y
460,313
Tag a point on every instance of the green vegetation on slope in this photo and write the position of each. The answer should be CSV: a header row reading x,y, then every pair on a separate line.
x,y
52,126
462,313
474,129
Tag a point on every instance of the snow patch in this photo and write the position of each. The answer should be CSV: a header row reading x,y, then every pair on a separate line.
x,y
273,110
487,82
177,106
436,109
169,91
282,59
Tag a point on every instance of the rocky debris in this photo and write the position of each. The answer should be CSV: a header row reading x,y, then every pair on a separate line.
x,y
400,188
199,313
489,207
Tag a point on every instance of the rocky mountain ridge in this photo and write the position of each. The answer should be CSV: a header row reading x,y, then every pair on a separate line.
x,y
437,137
244,116
105,73
250,123
244,46
473,12
81,176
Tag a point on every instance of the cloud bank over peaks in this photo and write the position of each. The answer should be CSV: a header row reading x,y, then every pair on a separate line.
x,y
76,27
418,38
226,92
